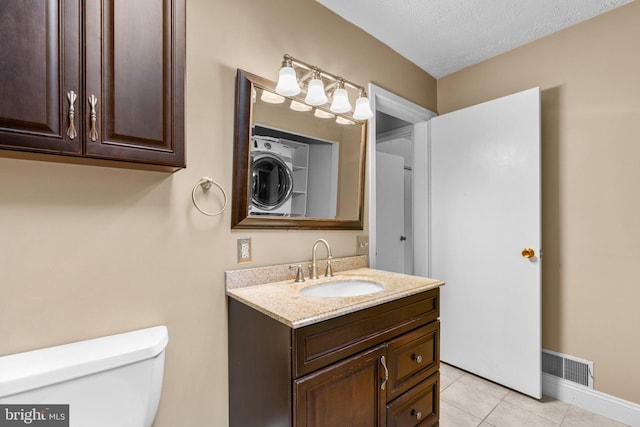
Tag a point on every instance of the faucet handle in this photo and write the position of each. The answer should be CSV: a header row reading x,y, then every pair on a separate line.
x,y
329,271
299,273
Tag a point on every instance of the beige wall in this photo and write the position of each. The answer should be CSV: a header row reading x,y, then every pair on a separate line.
x,y
88,251
589,76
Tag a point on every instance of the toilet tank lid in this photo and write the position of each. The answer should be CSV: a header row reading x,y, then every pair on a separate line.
x,y
26,371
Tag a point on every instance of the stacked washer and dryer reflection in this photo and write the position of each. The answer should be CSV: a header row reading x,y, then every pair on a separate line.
x,y
271,176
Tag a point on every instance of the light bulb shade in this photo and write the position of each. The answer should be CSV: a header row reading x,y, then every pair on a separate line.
x,y
342,121
315,94
287,82
271,98
363,109
340,102
323,114
299,106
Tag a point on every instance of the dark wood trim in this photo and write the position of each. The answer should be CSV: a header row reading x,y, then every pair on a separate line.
x,y
241,158
241,169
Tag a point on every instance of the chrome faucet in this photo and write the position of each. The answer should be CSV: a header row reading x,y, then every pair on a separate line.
x,y
314,265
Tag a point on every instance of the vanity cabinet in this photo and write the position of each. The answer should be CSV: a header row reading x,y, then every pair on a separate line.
x,y
378,366
94,79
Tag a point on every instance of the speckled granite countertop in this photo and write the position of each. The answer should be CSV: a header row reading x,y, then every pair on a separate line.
x,y
282,300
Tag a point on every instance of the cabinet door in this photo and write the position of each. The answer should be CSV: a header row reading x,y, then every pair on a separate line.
x,y
135,69
39,65
347,393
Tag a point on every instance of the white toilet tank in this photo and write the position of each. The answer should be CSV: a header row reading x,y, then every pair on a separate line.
x,y
113,381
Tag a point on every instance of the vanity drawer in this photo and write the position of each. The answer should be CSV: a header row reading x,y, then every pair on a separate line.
x,y
418,407
318,345
413,357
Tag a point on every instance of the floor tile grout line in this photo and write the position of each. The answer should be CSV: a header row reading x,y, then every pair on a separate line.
x,y
460,409
558,424
502,399
535,413
484,420
564,416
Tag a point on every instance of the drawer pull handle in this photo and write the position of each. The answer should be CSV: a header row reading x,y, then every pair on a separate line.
x,y
93,133
71,132
416,414
386,373
417,358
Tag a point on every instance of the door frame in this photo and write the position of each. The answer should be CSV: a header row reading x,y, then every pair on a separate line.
x,y
394,105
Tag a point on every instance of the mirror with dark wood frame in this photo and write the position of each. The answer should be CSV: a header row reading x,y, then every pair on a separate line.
x,y
295,166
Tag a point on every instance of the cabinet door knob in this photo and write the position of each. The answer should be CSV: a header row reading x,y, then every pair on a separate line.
x,y
417,358
386,373
528,253
93,133
416,414
71,132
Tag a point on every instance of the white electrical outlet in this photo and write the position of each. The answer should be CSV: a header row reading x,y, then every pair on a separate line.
x,y
244,249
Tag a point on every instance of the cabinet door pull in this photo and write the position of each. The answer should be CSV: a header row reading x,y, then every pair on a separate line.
x,y
417,358
386,373
416,414
71,132
93,133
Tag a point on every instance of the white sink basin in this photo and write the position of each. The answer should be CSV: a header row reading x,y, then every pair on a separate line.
x,y
342,288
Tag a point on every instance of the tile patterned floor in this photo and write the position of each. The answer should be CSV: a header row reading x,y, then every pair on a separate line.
x,y
470,401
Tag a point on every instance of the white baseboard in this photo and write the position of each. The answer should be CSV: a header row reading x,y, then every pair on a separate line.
x,y
594,401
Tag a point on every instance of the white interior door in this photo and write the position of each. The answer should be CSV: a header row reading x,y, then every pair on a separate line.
x,y
390,212
485,208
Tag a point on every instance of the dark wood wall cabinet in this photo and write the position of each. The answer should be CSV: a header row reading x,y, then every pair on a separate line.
x,y
94,79
375,367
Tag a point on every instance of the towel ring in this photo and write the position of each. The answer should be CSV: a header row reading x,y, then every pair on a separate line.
x,y
206,183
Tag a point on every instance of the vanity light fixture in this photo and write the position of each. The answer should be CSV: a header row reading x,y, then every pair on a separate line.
x,y
289,84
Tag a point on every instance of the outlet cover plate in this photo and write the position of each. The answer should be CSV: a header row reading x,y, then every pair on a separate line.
x,y
244,250
362,245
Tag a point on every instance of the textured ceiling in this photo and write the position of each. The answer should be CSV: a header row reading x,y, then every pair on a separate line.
x,y
444,36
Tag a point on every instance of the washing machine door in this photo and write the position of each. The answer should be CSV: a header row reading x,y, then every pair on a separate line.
x,y
271,182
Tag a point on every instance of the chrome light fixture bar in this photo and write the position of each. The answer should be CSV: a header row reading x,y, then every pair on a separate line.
x,y
290,85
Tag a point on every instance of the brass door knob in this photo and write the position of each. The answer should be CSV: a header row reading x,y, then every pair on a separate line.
x,y
528,253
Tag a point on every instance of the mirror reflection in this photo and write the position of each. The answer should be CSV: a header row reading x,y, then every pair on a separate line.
x,y
296,166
